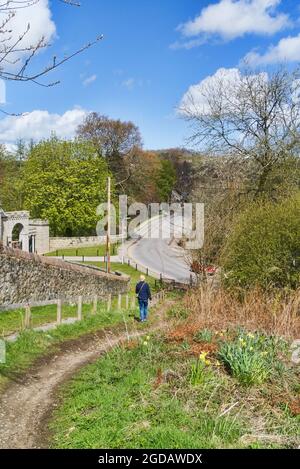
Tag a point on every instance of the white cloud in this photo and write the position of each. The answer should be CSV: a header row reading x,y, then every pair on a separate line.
x,y
129,84
38,16
188,44
196,96
41,25
287,50
229,19
39,124
11,147
224,84
89,80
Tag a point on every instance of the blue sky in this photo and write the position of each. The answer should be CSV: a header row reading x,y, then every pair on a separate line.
x,y
145,64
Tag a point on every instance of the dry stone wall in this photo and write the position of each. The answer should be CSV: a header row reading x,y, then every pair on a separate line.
x,y
26,278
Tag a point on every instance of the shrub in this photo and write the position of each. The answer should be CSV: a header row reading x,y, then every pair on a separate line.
x,y
264,246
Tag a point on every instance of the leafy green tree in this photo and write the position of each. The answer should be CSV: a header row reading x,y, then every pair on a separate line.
x,y
166,180
10,194
64,181
264,246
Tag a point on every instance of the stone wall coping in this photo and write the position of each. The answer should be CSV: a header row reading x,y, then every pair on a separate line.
x,y
38,221
15,216
59,264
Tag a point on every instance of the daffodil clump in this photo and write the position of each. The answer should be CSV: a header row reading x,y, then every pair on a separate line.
x,y
249,357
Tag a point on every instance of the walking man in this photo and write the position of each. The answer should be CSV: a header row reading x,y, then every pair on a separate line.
x,y
143,294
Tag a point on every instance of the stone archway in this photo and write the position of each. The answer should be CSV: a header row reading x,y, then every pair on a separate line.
x,y
17,234
16,230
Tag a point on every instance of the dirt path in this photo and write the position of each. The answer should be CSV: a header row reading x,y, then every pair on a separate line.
x,y
26,406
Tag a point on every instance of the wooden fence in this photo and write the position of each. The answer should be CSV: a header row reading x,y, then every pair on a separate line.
x,y
123,302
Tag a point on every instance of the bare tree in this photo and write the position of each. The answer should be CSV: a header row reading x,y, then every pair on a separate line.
x,y
115,140
12,66
255,117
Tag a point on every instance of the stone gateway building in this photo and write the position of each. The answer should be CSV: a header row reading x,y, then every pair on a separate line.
x,y
18,231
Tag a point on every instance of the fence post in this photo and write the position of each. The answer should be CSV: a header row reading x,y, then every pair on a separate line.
x,y
127,301
59,308
129,262
119,301
161,279
147,272
133,302
27,317
136,267
95,304
76,252
79,310
109,303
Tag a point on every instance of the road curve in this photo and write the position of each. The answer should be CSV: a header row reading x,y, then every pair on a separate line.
x,y
155,250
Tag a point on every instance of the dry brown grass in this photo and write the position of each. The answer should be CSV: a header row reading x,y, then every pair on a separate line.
x,y
269,313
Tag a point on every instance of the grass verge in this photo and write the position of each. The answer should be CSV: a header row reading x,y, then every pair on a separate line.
x,y
184,390
31,345
92,251
128,270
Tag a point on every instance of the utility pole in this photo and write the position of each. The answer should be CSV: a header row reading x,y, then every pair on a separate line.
x,y
108,228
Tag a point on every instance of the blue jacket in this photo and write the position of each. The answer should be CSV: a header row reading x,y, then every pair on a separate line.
x,y
142,289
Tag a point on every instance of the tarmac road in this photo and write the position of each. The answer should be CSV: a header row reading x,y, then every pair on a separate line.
x,y
155,249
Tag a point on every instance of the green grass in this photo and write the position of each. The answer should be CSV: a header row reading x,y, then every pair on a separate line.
x,y
32,344
128,270
13,321
91,251
115,403
154,394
